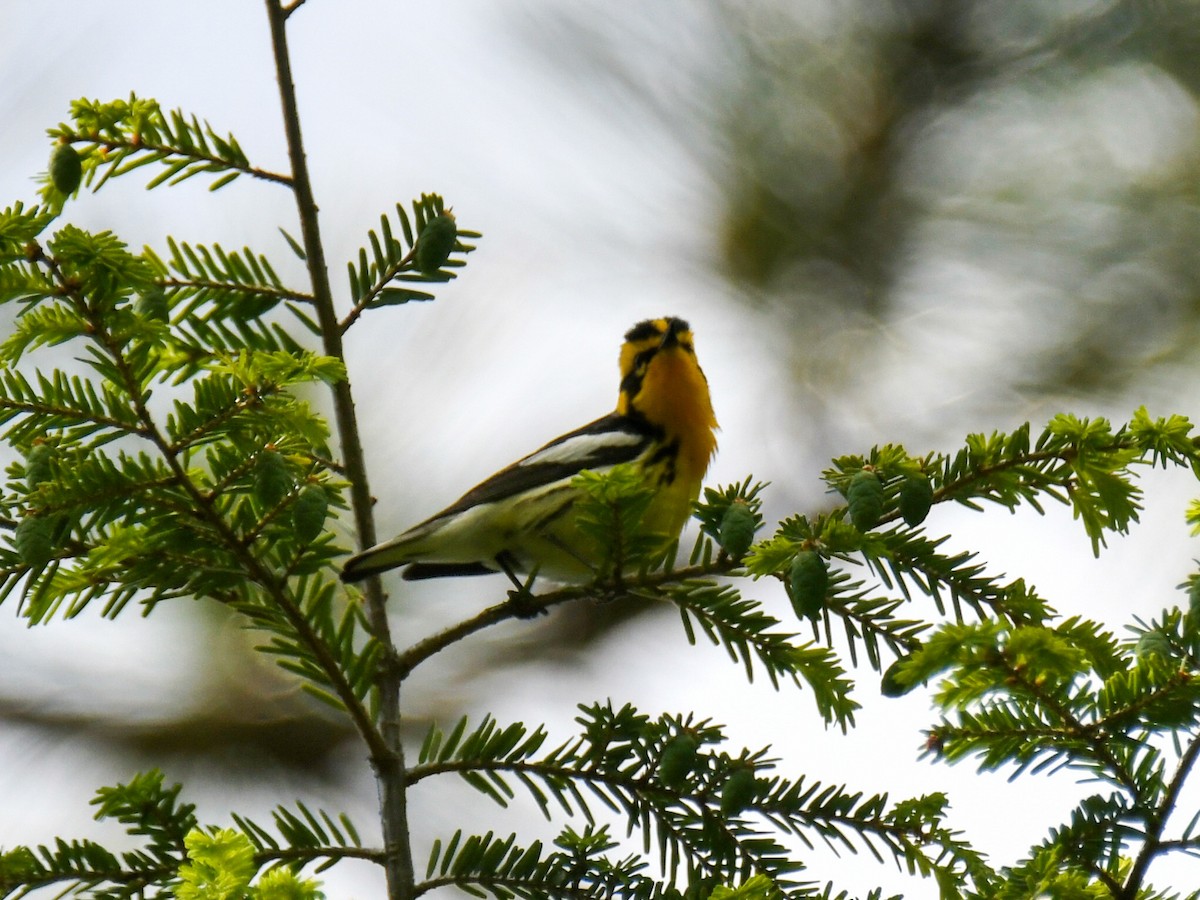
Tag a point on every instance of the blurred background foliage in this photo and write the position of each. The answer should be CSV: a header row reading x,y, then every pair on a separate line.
x,y
931,216
1045,154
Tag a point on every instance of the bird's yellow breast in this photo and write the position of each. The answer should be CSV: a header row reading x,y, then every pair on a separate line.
x,y
674,397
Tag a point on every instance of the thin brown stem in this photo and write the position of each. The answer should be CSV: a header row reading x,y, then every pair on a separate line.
x,y
1154,844
374,291
166,150
389,764
412,657
280,293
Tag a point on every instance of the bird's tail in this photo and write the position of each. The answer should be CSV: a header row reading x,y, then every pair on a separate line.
x,y
377,559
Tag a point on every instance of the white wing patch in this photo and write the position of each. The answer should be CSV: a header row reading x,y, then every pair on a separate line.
x,y
581,447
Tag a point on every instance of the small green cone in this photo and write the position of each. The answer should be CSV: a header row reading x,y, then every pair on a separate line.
x,y
66,169
272,480
37,465
916,498
736,533
309,512
153,305
435,243
34,539
677,760
865,499
808,582
891,685
738,792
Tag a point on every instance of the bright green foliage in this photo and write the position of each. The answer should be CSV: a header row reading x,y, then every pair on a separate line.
x,y
283,884
220,866
174,851
757,888
123,135
609,516
720,820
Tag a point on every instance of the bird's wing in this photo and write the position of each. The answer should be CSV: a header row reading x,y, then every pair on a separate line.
x,y
608,441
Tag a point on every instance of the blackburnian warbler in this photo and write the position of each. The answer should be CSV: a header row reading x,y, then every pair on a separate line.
x,y
520,519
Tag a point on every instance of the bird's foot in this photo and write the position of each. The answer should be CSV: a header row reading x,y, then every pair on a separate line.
x,y
521,601
524,604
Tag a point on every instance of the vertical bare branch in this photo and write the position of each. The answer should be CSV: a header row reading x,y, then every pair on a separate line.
x,y
389,768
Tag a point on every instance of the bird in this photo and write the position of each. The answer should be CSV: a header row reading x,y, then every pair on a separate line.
x,y
520,520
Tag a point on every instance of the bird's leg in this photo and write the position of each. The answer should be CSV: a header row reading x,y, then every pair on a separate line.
x,y
602,592
520,600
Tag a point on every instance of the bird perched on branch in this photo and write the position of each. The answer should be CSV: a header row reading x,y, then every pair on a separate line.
x,y
521,519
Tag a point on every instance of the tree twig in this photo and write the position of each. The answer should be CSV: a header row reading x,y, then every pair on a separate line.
x,y
416,654
1154,844
389,766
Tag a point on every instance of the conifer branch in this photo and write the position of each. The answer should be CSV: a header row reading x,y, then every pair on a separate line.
x,y
209,284
620,761
1153,843
1078,730
372,292
186,156
124,135
201,430
417,653
381,267
69,414
203,502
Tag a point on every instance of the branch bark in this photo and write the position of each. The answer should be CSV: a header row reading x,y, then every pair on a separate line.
x,y
389,766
